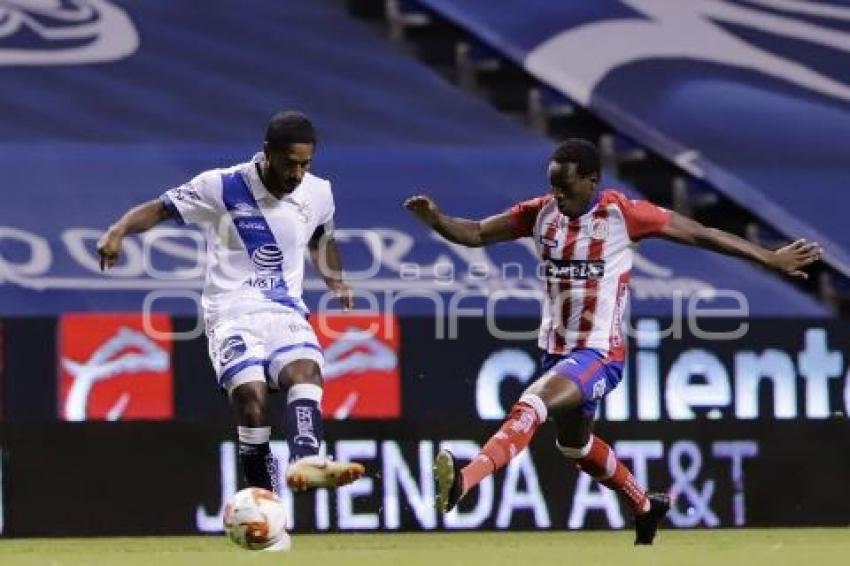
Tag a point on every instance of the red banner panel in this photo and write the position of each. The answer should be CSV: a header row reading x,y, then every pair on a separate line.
x,y
111,367
362,376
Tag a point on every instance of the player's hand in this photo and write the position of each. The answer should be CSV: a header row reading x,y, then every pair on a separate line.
x,y
344,294
109,248
423,208
792,258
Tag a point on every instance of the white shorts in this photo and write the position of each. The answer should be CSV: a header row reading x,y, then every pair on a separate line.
x,y
257,346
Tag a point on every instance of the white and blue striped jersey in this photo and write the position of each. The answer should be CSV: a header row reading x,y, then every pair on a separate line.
x,y
255,242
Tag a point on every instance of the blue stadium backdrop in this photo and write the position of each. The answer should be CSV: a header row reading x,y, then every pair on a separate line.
x,y
139,98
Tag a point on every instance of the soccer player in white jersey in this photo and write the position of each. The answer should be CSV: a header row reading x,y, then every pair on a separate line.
x,y
259,217
584,236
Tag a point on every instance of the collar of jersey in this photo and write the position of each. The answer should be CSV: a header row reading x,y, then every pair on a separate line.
x,y
590,206
258,189
252,177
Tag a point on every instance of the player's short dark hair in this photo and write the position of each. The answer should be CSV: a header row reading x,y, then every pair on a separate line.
x,y
578,151
289,127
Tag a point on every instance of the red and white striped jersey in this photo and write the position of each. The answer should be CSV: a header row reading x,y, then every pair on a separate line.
x,y
586,263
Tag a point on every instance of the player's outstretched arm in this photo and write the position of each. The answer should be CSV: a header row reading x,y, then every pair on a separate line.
x,y
138,219
788,260
469,233
328,262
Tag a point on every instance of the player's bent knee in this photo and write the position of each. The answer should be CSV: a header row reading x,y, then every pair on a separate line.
x,y
249,401
557,393
573,452
536,403
300,372
574,429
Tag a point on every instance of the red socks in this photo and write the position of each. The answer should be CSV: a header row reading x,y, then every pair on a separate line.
x,y
514,435
596,458
599,461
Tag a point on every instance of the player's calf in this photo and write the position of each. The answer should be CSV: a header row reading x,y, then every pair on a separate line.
x,y
511,439
598,460
259,466
304,427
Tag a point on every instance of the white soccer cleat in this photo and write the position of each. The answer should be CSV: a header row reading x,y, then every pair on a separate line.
x,y
313,472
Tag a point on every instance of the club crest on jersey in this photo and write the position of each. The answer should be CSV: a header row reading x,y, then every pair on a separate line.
x,y
599,228
302,209
232,348
267,258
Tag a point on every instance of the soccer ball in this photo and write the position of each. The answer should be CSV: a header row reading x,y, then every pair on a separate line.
x,y
255,519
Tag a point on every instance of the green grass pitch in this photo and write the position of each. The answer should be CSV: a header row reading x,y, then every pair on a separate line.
x,y
769,547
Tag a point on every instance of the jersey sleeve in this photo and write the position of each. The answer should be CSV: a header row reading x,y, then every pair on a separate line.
x,y
195,202
326,210
523,215
643,218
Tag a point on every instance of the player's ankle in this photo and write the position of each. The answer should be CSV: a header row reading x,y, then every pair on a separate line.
x,y
643,508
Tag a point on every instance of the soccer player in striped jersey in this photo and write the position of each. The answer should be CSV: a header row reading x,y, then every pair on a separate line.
x,y
259,219
584,236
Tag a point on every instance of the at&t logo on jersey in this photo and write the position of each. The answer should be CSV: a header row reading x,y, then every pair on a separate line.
x,y
267,258
268,262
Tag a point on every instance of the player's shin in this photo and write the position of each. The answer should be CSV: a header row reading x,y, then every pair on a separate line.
x,y
259,465
513,436
598,460
304,429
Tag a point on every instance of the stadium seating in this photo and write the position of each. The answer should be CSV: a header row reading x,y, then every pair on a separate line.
x,y
84,141
752,98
